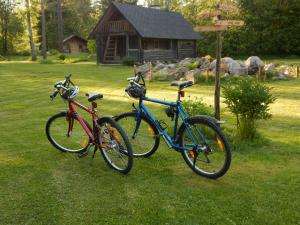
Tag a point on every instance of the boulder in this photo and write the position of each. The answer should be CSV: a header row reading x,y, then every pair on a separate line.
x,y
186,61
285,70
253,63
230,66
180,72
158,66
143,68
192,74
270,67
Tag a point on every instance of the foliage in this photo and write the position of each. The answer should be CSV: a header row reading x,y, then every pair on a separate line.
x,y
54,51
62,57
249,101
197,107
194,65
128,61
91,46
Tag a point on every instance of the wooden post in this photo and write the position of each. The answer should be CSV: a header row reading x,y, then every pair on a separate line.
x,y
134,69
150,72
217,80
297,73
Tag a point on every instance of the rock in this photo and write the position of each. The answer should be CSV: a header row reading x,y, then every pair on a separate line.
x,y
230,66
253,63
143,68
158,66
285,70
180,72
270,67
186,61
192,74
171,66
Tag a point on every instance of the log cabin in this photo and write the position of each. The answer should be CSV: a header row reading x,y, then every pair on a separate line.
x,y
143,34
75,44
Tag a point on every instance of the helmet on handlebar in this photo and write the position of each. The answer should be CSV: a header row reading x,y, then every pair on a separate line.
x,y
70,93
136,91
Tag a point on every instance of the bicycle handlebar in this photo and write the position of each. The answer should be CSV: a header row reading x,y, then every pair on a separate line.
x,y
64,84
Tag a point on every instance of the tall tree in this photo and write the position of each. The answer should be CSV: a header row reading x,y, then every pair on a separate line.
x,y
43,22
32,46
60,29
6,8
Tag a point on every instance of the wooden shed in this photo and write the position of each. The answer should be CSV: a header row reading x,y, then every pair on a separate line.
x,y
75,44
144,34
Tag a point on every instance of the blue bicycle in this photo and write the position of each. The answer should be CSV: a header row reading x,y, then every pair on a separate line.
x,y
198,138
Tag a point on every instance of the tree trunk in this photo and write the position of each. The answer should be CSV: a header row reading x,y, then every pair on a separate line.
x,y
60,26
32,47
5,12
44,41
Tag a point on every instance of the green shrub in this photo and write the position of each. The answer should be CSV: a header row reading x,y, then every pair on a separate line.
x,y
128,61
194,65
91,46
62,57
54,52
197,107
249,101
202,78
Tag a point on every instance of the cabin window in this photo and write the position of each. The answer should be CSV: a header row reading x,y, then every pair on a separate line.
x,y
186,44
152,44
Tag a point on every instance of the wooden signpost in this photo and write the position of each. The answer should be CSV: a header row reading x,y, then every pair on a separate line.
x,y
219,26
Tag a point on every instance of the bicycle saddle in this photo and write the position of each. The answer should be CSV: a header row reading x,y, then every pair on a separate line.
x,y
181,84
93,96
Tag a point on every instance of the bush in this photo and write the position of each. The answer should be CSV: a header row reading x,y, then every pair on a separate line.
x,y
249,101
194,65
91,46
202,78
62,57
54,52
128,61
197,107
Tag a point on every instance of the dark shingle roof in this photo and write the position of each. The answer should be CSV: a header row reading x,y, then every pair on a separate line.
x,y
74,36
155,23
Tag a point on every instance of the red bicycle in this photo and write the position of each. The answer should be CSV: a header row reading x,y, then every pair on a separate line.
x,y
69,132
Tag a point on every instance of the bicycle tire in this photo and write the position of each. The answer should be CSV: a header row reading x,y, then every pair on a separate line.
x,y
221,143
139,145
55,142
115,145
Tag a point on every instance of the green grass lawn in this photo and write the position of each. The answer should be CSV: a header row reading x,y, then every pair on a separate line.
x,y
40,185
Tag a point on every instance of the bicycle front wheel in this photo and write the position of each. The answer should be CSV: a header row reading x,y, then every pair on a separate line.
x,y
114,145
57,133
212,157
146,140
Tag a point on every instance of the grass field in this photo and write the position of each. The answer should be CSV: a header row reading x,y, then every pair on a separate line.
x,y
40,185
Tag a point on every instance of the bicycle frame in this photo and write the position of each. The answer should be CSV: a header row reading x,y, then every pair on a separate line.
x,y
180,112
72,111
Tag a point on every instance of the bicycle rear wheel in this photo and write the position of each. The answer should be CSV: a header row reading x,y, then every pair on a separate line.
x,y
57,133
147,139
213,157
114,145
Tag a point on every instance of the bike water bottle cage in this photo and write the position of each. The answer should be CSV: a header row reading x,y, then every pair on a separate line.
x,y
136,89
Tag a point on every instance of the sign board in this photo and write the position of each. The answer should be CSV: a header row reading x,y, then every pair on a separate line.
x,y
210,28
229,23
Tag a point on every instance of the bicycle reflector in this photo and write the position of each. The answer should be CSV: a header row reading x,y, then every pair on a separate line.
x,y
182,94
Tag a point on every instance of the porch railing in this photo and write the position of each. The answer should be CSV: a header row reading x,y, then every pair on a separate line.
x,y
116,26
